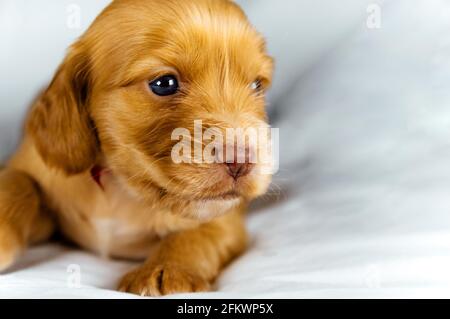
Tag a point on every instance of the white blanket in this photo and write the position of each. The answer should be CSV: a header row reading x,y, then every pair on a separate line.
x,y
361,205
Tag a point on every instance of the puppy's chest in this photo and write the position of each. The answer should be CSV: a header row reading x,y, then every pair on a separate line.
x,y
114,224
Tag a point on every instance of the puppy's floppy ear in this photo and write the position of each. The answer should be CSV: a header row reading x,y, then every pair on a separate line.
x,y
59,122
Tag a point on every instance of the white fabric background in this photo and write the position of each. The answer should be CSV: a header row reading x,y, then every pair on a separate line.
x,y
360,207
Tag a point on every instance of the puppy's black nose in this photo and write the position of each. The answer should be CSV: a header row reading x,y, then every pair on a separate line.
x,y
237,170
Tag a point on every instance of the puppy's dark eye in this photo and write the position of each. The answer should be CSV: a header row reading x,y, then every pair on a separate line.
x,y
165,85
256,86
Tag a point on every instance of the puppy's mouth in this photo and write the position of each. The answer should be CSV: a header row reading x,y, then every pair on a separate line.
x,y
224,196
231,195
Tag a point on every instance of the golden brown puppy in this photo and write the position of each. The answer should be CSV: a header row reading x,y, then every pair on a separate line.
x,y
95,160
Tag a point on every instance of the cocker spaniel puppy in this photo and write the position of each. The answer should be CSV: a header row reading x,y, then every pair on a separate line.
x,y
97,158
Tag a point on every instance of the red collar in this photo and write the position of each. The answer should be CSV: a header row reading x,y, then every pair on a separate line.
x,y
96,174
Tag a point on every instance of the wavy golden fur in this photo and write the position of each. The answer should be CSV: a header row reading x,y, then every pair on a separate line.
x,y
99,111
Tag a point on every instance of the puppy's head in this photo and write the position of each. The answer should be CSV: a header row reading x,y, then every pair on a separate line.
x,y
147,69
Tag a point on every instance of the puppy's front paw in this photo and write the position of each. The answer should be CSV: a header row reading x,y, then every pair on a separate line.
x,y
10,249
162,279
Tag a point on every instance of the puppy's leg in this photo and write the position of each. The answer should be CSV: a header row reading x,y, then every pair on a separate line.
x,y
189,261
22,218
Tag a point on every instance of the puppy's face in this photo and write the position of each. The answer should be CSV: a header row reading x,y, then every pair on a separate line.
x,y
149,69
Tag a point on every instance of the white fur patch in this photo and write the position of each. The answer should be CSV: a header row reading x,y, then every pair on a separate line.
x,y
211,209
